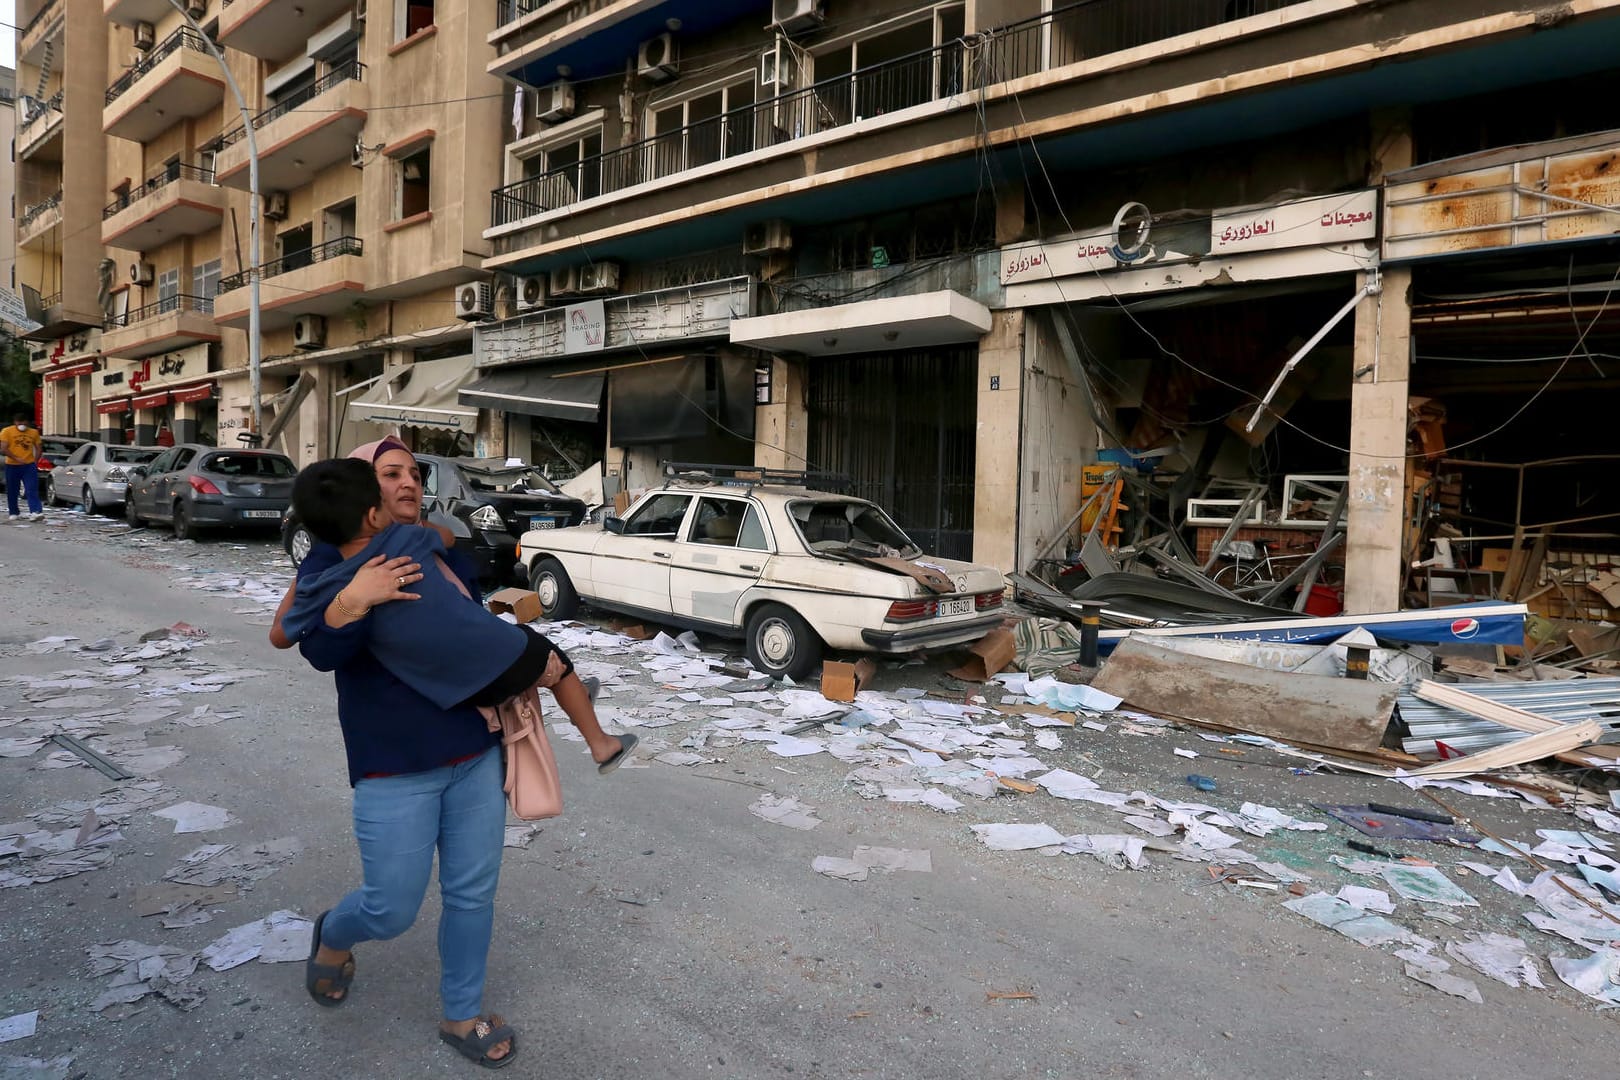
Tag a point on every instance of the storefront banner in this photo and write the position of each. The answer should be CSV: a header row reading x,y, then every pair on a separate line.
x,y
113,408
1328,219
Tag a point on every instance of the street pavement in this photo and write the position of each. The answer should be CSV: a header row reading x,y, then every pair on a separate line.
x,y
659,928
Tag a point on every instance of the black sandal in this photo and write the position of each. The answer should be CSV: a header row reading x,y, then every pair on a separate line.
x,y
486,1034
627,743
336,976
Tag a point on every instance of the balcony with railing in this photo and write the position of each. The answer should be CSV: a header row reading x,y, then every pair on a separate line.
x,y
304,132
178,79
946,76
179,200
168,323
278,30
37,220
44,26
322,280
130,12
39,136
591,37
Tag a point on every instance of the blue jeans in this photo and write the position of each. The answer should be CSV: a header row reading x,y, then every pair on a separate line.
x,y
25,478
398,822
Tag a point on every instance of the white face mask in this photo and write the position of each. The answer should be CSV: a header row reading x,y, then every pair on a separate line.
x,y
21,426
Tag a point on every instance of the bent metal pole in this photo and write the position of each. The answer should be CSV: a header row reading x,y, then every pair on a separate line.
x,y
254,388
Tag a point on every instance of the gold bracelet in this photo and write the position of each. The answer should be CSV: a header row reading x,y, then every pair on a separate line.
x,y
351,613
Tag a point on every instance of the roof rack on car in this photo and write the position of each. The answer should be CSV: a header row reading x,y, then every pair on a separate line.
x,y
753,476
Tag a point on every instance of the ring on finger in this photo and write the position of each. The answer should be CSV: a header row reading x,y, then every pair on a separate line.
x,y
401,580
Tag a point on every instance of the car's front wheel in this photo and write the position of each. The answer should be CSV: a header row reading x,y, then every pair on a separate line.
x,y
781,644
47,491
135,520
183,528
87,499
558,598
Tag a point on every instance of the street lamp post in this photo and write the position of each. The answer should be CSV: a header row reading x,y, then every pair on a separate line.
x,y
254,358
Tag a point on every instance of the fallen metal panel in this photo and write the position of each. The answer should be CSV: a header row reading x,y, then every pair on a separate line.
x,y
1345,713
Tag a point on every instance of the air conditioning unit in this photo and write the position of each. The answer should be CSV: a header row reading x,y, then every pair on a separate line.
x,y
554,102
475,300
797,16
142,273
564,282
275,206
767,237
309,332
658,58
145,35
602,277
196,10
357,154
531,292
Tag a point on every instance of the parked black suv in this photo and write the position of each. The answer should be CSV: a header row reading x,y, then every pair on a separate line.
x,y
487,504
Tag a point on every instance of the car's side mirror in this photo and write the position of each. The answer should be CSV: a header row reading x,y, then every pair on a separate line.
x,y
614,525
136,470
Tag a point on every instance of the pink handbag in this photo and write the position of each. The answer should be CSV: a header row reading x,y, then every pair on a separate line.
x,y
533,788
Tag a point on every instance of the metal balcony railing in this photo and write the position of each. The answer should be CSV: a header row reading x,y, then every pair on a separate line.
x,y
48,302
1087,29
296,260
508,11
34,108
346,71
168,305
183,38
35,212
170,174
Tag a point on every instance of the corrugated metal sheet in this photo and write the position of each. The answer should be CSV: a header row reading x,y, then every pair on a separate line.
x,y
1567,701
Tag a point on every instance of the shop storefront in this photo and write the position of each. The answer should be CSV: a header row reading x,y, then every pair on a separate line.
x,y
67,370
630,382
161,400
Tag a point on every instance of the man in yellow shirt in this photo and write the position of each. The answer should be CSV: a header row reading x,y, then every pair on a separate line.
x,y
20,444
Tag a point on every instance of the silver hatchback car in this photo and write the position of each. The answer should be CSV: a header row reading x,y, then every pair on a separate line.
x,y
96,475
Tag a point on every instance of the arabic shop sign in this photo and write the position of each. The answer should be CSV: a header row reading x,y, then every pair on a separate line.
x,y
1124,242
1328,219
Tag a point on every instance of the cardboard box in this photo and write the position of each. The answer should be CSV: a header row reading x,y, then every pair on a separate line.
x,y
523,604
1495,559
989,656
841,681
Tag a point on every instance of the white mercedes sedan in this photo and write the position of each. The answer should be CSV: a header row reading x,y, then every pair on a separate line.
x,y
791,571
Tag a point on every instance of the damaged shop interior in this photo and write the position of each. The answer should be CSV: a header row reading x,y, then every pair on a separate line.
x,y
1203,508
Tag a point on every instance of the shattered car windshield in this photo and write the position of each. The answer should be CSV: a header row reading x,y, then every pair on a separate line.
x,y
125,455
516,481
833,527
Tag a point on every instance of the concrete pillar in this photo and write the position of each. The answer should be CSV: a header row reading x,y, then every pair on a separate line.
x,y
145,427
1377,505
1376,509
112,429
996,449
781,427
84,420
312,437
185,422
1011,224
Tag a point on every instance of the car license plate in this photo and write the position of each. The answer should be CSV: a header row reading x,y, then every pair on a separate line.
x,y
261,513
963,606
542,523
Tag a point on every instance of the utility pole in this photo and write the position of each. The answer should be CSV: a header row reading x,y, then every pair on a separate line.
x,y
254,209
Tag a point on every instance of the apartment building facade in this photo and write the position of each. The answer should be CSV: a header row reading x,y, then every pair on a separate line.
x,y
61,77
958,251
374,167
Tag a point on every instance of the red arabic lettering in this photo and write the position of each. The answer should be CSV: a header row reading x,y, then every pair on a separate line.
x,y
1025,262
1339,217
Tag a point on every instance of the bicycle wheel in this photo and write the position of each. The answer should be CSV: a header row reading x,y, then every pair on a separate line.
x,y
1233,576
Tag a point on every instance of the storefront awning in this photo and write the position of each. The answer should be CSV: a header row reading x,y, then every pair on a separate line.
x,y
535,393
113,408
870,326
73,372
422,394
195,393
151,401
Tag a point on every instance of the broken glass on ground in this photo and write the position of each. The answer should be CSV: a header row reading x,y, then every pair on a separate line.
x,y
787,811
1425,883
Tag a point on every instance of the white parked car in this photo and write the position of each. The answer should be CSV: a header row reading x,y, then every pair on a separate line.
x,y
96,475
789,570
